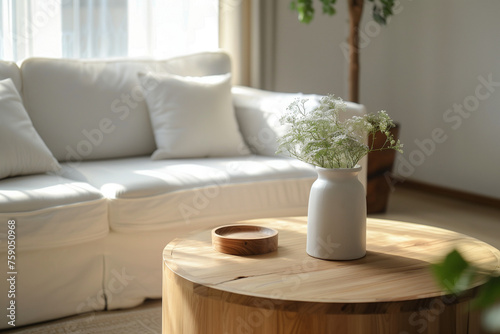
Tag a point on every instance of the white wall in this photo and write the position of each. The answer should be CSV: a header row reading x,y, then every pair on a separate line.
x,y
421,67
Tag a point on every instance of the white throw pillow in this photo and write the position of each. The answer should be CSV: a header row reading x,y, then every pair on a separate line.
x,y
22,151
192,117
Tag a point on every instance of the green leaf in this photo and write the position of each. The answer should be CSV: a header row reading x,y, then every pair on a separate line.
x,y
381,10
454,274
491,319
379,18
328,7
489,293
305,10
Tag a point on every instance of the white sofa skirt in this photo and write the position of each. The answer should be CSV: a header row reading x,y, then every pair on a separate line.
x,y
56,282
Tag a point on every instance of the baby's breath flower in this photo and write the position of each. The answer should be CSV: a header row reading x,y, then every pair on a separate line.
x,y
318,136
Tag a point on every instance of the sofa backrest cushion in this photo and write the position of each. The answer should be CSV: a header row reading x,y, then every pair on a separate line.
x,y
94,109
197,64
10,70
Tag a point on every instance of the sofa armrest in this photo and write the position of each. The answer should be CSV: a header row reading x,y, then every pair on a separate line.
x,y
258,112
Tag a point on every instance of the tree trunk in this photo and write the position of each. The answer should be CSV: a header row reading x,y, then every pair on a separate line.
x,y
355,13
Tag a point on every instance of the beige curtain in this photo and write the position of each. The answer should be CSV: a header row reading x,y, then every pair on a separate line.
x,y
246,32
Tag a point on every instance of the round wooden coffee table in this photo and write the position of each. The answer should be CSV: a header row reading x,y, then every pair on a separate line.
x,y
390,290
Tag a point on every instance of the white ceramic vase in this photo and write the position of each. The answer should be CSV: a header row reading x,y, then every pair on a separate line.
x,y
336,222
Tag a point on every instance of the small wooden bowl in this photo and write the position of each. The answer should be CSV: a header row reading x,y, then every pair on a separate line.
x,y
244,239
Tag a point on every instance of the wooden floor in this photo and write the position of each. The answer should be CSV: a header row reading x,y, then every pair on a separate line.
x,y
479,221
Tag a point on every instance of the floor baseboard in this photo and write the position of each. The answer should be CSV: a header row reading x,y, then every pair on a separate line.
x,y
452,193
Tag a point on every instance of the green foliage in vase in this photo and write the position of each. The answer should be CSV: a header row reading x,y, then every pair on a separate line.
x,y
323,137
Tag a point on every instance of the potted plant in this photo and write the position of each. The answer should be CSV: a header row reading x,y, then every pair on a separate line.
x,y
321,136
379,164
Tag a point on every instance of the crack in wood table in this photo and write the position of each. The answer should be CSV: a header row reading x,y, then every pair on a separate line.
x,y
390,290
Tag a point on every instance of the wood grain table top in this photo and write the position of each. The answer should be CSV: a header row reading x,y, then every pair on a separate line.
x,y
396,267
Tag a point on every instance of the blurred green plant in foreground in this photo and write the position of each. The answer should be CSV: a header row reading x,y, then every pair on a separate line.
x,y
456,275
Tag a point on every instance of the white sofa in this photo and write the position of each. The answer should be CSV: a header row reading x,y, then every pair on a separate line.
x,y
89,235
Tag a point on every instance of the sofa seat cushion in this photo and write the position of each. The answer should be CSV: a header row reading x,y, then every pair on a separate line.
x,y
52,211
146,195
